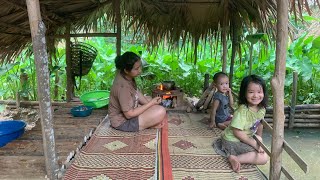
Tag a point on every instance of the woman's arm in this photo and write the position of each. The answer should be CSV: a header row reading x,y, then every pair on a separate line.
x,y
140,109
142,99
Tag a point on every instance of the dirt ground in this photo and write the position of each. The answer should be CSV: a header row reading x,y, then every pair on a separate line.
x,y
306,142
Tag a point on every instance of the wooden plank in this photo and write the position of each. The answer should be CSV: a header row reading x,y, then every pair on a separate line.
x,y
22,167
303,165
34,147
286,173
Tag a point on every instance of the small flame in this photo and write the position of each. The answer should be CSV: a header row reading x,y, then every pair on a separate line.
x,y
166,97
168,92
161,87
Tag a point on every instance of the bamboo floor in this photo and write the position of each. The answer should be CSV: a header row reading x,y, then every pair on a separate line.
x,y
24,158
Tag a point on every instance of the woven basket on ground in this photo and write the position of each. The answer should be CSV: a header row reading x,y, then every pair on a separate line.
x,y
82,57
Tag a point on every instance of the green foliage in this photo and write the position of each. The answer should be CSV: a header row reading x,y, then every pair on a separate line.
x,y
302,57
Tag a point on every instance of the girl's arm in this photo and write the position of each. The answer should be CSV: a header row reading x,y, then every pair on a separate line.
x,y
213,113
259,130
140,109
243,137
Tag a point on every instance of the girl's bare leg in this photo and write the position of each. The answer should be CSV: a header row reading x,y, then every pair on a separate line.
x,y
152,117
253,158
247,158
235,164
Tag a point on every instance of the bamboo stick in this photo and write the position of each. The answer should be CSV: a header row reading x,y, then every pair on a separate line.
x,y
293,100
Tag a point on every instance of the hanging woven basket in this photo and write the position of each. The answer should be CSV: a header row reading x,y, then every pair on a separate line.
x,y
82,58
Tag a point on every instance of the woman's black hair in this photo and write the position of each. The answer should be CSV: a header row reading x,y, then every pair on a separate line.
x,y
218,75
126,61
244,87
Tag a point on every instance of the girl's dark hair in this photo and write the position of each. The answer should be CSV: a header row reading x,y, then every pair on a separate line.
x,y
244,87
218,75
126,61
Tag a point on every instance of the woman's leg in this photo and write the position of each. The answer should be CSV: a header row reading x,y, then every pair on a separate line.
x,y
152,117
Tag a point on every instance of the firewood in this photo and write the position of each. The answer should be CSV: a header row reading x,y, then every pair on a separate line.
x,y
205,95
208,100
190,104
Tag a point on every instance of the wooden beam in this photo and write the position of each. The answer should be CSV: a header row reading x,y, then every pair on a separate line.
x,y
87,35
38,32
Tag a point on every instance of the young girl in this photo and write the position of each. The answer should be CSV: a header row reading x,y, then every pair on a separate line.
x,y
129,109
237,142
220,113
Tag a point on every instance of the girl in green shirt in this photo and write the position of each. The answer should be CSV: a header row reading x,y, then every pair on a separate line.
x,y
237,142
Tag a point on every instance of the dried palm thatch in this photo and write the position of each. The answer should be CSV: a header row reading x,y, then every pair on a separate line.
x,y
176,20
14,23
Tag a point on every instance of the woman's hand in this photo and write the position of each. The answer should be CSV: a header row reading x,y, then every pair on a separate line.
x,y
156,100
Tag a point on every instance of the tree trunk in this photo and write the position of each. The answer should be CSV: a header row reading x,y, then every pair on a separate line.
x,y
277,84
40,55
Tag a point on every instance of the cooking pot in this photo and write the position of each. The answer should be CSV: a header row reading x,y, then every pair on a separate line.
x,y
168,85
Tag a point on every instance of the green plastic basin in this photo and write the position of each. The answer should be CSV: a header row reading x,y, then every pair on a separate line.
x,y
95,99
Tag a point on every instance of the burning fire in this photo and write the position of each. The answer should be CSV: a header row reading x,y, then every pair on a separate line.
x,y
161,87
167,96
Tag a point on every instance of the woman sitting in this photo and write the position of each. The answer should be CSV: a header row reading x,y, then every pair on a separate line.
x,y
129,109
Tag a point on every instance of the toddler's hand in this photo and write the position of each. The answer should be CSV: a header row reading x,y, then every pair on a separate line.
x,y
212,125
229,91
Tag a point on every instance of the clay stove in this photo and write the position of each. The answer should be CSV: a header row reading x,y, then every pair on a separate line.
x,y
172,98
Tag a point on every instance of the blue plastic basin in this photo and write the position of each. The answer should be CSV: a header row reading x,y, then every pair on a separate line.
x,y
81,111
10,130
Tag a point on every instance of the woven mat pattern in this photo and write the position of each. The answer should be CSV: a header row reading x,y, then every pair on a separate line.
x,y
112,154
191,152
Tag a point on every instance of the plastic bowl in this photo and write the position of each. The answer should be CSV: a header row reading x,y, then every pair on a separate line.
x,y
95,99
10,130
81,111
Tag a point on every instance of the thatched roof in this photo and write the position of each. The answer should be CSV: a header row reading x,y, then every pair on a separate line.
x,y
173,19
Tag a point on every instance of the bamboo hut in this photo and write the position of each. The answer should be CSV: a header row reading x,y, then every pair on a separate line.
x,y
28,23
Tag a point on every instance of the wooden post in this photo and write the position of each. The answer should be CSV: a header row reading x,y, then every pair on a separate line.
x,y
277,84
206,82
293,100
224,37
70,82
116,5
224,50
38,31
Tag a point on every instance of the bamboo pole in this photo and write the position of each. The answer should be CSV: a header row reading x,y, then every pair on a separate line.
x,y
224,36
116,6
70,82
38,32
277,84
293,100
